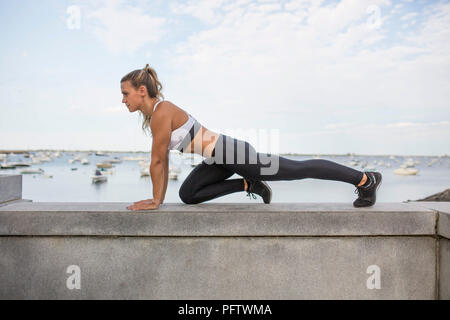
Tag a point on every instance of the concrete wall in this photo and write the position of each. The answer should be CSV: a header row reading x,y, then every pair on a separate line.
x,y
224,251
444,269
217,267
10,187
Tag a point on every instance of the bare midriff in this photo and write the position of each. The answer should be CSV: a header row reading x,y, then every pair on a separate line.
x,y
203,142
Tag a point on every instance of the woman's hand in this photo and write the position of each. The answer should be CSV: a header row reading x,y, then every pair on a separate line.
x,y
147,201
148,204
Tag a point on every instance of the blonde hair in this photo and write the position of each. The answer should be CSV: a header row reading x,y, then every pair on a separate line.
x,y
149,79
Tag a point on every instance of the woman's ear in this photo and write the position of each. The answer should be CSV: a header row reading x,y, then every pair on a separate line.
x,y
142,90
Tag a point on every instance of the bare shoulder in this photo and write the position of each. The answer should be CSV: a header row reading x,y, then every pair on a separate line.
x,y
168,109
163,110
162,115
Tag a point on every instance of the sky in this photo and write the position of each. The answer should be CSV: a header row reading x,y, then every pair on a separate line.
x,y
295,76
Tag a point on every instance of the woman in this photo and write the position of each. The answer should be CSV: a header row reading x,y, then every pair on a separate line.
x,y
174,128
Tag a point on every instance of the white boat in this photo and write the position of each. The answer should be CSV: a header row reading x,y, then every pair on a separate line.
x,y
98,177
8,166
173,176
115,160
145,172
408,164
84,161
406,171
20,164
104,165
31,171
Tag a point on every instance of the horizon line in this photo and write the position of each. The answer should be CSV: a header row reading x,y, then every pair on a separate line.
x,y
20,151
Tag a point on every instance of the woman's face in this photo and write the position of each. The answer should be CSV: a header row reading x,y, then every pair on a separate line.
x,y
131,97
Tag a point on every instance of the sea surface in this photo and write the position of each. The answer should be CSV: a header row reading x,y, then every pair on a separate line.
x,y
62,181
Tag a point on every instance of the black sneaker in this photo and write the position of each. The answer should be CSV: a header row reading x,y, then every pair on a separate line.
x,y
261,188
367,195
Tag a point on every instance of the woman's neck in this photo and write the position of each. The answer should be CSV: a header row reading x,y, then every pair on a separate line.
x,y
149,104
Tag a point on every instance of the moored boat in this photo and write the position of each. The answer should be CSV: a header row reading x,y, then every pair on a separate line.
x,y
98,177
31,171
104,165
406,171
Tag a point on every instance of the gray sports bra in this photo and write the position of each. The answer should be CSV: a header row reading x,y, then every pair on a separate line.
x,y
182,136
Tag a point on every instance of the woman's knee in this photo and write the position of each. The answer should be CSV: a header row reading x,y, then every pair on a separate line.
x,y
186,194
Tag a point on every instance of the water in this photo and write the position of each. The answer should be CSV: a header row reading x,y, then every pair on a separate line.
x,y
126,184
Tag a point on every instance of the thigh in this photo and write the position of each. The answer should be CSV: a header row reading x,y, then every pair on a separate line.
x,y
240,157
204,174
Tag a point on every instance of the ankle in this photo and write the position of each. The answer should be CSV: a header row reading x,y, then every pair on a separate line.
x,y
363,180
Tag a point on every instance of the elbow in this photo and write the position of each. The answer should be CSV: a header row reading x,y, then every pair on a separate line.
x,y
157,161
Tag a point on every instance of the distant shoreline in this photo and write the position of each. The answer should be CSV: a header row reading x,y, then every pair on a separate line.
x,y
21,151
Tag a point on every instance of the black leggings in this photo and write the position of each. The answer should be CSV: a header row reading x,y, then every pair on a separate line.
x,y
208,180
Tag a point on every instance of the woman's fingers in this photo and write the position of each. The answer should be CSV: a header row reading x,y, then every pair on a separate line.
x,y
142,206
139,204
144,201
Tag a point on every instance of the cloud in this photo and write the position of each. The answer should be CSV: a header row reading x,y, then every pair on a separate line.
x,y
311,68
122,27
409,16
422,125
362,126
310,59
205,10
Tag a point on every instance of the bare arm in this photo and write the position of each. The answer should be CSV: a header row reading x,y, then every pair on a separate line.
x,y
159,167
161,125
166,176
